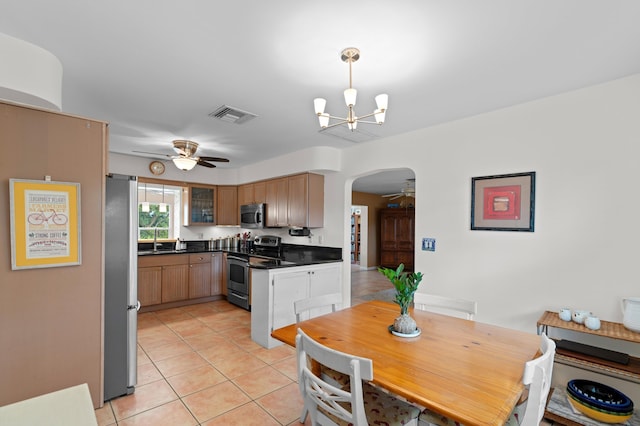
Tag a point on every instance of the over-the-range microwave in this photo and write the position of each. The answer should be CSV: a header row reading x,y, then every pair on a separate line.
x,y
252,216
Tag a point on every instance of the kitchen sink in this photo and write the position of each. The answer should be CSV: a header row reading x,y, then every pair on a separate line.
x,y
145,252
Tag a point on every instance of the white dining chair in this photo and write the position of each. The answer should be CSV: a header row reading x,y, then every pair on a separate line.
x,y
537,379
332,300
462,308
360,404
309,304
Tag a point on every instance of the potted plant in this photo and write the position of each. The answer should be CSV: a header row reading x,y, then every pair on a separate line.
x,y
406,285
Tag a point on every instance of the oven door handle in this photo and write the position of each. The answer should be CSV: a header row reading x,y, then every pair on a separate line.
x,y
239,259
239,296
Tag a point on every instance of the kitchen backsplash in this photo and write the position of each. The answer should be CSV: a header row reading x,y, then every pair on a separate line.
x,y
208,232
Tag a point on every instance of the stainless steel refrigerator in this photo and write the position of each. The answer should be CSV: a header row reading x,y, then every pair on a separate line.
x,y
121,286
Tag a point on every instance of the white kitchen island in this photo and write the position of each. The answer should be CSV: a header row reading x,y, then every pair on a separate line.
x,y
273,292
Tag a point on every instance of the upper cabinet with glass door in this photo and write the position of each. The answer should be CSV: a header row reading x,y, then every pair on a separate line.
x,y
200,207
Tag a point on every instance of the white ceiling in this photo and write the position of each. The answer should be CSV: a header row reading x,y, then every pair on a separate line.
x,y
155,69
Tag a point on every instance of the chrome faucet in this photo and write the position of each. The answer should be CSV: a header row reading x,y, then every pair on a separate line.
x,y
155,239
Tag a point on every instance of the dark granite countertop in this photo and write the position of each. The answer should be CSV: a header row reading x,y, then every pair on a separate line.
x,y
291,254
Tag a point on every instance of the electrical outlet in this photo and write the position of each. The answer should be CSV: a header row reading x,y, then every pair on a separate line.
x,y
429,244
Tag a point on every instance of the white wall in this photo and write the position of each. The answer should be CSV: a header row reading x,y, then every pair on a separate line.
x,y
584,147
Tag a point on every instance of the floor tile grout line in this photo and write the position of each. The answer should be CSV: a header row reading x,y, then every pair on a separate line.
x,y
229,379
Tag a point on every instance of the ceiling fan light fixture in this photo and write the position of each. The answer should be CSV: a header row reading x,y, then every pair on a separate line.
x,y
184,163
185,147
351,55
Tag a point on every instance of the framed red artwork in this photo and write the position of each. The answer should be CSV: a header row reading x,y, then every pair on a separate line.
x,y
503,202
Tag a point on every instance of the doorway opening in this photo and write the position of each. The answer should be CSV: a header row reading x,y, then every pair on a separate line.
x,y
370,195
359,236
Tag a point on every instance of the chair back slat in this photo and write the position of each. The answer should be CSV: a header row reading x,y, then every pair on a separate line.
x,y
332,300
462,308
331,400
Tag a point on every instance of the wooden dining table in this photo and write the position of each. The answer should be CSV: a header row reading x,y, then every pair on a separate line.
x,y
466,370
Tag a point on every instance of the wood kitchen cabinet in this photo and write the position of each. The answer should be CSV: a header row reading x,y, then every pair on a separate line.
x,y
149,285
277,196
199,275
224,274
252,193
296,200
170,280
217,277
227,206
162,278
397,229
175,282
306,200
199,204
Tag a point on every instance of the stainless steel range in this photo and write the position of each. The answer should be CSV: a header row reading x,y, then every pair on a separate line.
x,y
238,279
267,245
238,268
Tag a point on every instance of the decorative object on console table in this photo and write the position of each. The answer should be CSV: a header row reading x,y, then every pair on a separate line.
x,y
562,412
599,402
406,285
503,202
631,313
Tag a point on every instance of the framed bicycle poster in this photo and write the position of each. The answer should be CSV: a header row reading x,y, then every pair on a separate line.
x,y
45,224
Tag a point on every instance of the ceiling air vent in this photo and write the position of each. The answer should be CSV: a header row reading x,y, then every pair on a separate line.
x,y
232,115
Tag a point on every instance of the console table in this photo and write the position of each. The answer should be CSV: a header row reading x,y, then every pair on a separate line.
x,y
608,329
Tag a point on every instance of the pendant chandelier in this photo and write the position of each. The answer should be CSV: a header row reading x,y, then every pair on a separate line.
x,y
162,208
145,203
350,55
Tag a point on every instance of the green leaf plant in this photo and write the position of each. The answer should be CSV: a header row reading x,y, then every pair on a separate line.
x,y
405,284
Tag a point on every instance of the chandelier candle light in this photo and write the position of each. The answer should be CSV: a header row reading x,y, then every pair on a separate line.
x,y
145,203
350,55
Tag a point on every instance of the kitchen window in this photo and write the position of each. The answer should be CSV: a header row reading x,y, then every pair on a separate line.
x,y
158,211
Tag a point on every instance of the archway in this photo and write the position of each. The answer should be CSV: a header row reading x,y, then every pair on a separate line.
x,y
371,193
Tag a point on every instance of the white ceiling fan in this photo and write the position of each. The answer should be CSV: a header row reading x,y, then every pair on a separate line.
x,y
407,191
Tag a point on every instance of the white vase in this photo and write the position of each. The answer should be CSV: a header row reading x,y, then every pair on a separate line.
x,y
405,324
